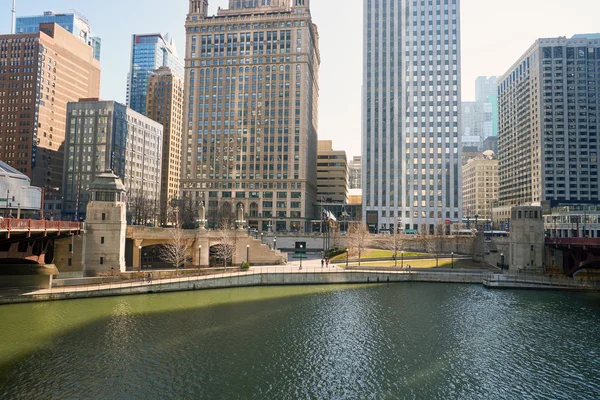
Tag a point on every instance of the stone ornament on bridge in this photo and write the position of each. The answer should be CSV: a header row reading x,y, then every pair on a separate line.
x,y
240,222
202,216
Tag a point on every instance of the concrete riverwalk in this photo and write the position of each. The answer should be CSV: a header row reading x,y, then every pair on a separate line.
x,y
310,273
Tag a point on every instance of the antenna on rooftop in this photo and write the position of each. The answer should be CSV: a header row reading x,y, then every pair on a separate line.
x,y
13,25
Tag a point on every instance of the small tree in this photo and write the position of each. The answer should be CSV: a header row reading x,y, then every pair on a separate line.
x,y
434,244
393,243
176,251
226,237
359,238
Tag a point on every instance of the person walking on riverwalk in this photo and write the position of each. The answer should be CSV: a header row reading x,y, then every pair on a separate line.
x,y
322,263
327,262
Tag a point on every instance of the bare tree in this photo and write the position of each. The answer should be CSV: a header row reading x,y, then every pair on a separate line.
x,y
434,244
393,242
227,241
358,239
176,251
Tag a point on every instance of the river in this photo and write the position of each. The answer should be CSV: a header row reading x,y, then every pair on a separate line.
x,y
399,341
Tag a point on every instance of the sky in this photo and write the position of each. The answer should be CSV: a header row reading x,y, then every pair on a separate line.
x,y
494,35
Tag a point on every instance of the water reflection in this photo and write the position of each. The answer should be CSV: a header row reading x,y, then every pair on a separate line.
x,y
388,341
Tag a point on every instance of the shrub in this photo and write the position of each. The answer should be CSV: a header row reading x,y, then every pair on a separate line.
x,y
245,265
334,252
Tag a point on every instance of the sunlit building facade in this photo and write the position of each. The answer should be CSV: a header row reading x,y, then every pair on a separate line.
x,y
411,111
251,112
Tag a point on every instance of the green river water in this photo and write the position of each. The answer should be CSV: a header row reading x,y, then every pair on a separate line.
x,y
399,341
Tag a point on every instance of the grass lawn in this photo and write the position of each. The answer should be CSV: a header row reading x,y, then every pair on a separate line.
x,y
423,264
376,253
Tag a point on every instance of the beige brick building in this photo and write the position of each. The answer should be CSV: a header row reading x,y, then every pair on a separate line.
x,y
250,136
332,174
39,74
480,186
164,104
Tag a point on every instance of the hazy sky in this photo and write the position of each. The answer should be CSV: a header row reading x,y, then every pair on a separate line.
x,y
494,35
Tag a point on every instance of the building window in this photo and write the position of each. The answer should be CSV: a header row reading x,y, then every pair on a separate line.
x,y
70,248
102,240
70,262
103,216
101,260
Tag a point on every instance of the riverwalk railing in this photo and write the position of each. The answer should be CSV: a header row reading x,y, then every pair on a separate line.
x,y
151,282
538,281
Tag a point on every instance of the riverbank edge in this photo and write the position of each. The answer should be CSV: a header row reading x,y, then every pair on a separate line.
x,y
256,278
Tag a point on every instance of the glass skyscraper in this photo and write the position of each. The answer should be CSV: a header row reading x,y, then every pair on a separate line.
x,y
411,110
73,23
148,53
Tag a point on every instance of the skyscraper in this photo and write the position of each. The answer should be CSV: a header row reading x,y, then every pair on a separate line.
x,y
37,73
548,139
480,117
148,53
165,106
105,135
74,23
411,110
251,112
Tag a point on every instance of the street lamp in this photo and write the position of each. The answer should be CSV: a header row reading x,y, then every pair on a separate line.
x,y
261,238
347,251
452,260
301,255
502,260
275,243
140,266
248,254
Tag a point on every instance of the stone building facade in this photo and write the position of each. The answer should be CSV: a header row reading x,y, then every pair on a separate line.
x,y
251,112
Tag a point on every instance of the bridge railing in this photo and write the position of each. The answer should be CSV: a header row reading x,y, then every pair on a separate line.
x,y
30,224
573,241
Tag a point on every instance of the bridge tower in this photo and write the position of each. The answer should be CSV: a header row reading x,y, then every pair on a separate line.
x,y
527,239
106,226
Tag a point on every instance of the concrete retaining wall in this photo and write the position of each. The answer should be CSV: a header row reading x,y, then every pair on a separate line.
x,y
243,280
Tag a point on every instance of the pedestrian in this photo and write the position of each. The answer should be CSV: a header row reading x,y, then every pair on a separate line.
x,y
322,263
150,277
327,262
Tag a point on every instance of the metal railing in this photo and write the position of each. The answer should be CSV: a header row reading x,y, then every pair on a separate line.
x,y
10,224
541,281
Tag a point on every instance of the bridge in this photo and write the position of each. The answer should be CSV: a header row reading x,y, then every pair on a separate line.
x,y
201,244
27,250
577,253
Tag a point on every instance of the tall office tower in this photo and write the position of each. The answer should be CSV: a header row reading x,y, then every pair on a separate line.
x,y
411,110
74,23
251,112
106,135
39,74
548,139
485,87
332,173
165,106
355,167
480,117
148,53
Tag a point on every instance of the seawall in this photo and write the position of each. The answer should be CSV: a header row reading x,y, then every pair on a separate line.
x,y
241,279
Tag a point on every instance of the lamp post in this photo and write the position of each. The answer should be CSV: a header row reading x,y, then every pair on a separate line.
x,y
347,251
452,260
301,255
140,266
275,243
248,254
261,238
402,265
502,261
476,218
